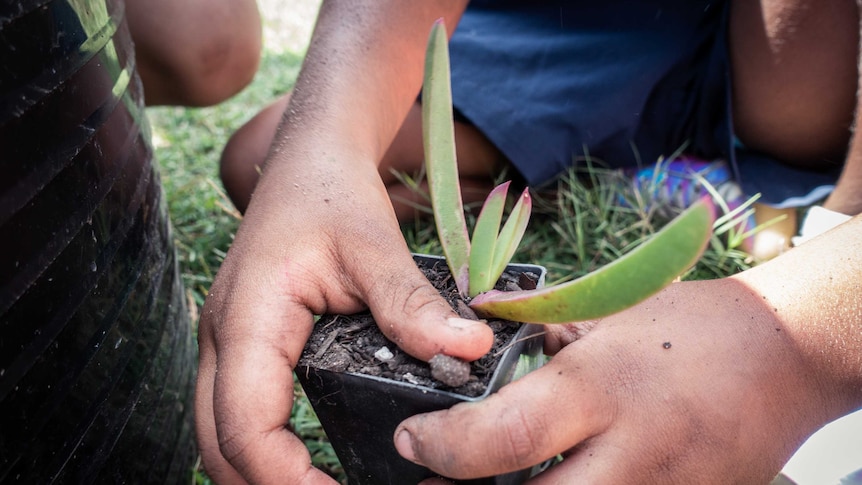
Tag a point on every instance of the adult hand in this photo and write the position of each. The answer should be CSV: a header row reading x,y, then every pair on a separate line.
x,y
702,383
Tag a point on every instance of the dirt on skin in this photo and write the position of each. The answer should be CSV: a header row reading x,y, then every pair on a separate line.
x,y
354,344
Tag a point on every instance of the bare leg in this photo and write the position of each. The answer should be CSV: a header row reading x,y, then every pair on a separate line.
x,y
247,149
478,159
194,52
795,76
795,79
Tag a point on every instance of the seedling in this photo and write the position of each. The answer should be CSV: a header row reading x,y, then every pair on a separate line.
x,y
477,263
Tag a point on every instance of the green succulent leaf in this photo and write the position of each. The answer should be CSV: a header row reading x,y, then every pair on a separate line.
x,y
484,242
438,135
511,234
617,286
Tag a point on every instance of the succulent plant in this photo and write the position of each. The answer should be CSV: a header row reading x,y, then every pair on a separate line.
x,y
476,263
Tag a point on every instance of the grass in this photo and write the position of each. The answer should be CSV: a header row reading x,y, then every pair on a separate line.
x,y
590,219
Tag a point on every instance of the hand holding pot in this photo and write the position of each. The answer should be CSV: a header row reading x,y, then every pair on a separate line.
x,y
259,314
709,381
320,235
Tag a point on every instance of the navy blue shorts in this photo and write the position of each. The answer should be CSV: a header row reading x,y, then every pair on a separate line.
x,y
624,82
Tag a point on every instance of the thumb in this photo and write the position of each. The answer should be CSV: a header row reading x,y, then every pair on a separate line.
x,y
411,312
528,421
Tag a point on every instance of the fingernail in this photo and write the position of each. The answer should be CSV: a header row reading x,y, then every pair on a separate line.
x,y
404,445
460,323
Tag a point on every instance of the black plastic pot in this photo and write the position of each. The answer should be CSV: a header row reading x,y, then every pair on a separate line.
x,y
359,412
97,361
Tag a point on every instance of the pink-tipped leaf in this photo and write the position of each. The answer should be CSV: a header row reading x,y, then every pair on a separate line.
x,y
511,234
484,241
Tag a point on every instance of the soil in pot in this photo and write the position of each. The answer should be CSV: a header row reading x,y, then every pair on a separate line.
x,y
354,344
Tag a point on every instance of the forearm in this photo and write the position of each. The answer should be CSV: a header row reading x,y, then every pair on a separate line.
x,y
362,72
815,293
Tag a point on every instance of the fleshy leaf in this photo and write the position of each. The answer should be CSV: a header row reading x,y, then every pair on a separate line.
x,y
511,234
438,135
484,241
618,285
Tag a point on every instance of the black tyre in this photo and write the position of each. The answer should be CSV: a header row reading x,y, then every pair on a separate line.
x,y
97,360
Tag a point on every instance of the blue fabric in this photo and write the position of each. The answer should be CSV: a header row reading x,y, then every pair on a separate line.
x,y
625,82
782,185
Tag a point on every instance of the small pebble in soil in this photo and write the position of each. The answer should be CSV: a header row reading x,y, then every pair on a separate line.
x,y
449,370
411,379
383,354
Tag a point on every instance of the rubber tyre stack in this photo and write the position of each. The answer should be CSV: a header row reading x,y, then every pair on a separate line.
x,y
97,359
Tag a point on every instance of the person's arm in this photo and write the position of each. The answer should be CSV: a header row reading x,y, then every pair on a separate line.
x,y
709,381
320,235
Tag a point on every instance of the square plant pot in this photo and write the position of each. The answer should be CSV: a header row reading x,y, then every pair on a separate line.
x,y
359,412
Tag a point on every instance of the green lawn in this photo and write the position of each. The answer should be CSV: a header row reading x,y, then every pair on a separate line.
x,y
579,227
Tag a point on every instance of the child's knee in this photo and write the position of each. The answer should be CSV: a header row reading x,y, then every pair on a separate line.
x,y
218,73
190,59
